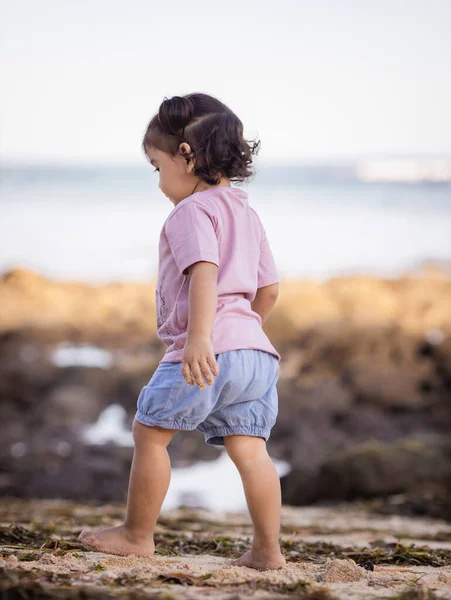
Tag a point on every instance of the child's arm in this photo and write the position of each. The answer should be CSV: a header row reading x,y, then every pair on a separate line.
x,y
267,282
198,353
264,300
191,235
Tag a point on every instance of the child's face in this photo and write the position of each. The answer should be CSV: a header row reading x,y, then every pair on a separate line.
x,y
176,177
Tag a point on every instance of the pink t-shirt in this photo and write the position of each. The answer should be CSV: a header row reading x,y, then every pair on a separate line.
x,y
215,225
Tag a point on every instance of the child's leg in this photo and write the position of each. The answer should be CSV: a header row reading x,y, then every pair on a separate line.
x,y
149,482
263,495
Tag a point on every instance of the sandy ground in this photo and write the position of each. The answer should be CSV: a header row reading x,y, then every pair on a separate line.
x,y
408,555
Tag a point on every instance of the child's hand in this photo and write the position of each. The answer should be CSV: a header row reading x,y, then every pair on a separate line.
x,y
199,359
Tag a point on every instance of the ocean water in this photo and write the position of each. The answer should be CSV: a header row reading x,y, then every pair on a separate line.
x,y
103,224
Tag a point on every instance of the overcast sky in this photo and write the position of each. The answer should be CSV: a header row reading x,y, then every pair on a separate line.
x,y
313,79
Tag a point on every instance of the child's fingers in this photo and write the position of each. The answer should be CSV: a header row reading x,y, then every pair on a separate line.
x,y
197,370
206,371
186,372
197,374
213,364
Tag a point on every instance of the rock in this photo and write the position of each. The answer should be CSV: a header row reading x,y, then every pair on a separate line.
x,y
364,299
72,405
77,310
376,468
387,385
366,367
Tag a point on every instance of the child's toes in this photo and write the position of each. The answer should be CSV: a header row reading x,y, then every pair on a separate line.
x,y
86,537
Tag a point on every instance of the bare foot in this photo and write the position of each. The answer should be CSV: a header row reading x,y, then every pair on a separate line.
x,y
263,561
117,540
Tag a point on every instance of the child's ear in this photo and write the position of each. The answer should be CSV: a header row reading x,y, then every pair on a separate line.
x,y
185,150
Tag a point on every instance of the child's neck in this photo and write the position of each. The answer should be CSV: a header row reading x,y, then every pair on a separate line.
x,y
202,186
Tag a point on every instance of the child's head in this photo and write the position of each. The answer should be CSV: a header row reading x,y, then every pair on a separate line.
x,y
196,142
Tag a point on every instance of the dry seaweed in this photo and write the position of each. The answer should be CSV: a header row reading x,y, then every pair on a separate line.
x,y
17,535
416,594
302,589
387,553
43,529
178,543
398,553
296,550
184,579
19,585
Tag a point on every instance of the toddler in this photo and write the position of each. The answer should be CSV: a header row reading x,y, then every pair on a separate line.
x,y
217,283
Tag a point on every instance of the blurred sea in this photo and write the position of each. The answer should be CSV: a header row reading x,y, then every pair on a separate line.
x,y
101,224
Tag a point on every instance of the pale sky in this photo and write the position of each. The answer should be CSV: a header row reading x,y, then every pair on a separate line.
x,y
313,79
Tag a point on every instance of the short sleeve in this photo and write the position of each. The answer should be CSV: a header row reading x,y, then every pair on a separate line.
x,y
267,270
191,236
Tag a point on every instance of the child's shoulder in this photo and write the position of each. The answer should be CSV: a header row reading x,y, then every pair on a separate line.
x,y
208,202
189,207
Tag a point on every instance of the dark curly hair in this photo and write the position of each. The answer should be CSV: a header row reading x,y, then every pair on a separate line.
x,y
213,131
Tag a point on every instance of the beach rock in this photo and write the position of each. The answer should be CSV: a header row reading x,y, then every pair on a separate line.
x,y
77,310
388,385
364,300
375,468
442,355
44,410
366,366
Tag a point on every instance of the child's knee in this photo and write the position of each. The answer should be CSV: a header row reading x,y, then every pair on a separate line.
x,y
145,434
244,449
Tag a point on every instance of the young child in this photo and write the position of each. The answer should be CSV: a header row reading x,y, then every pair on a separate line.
x,y
217,283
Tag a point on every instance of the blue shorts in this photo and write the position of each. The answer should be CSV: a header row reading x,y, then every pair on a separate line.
x,y
242,400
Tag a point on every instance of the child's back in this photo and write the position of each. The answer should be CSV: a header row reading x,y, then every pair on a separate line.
x,y
216,225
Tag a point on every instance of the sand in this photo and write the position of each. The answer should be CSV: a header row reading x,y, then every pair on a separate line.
x,y
211,576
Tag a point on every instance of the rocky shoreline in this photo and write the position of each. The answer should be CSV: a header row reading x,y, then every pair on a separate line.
x,y
365,388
